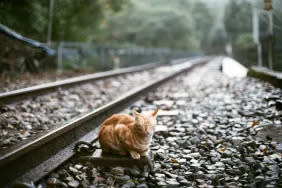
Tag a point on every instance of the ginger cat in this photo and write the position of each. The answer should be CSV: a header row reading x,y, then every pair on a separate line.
x,y
123,134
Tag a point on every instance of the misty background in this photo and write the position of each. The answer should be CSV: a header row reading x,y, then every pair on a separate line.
x,y
195,26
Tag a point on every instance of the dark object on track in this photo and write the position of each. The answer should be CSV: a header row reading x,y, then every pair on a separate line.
x,y
278,105
110,160
83,148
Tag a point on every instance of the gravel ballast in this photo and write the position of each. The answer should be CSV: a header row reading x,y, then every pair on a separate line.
x,y
19,81
27,118
212,132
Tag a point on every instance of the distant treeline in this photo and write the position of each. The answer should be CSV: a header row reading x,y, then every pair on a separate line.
x,y
179,25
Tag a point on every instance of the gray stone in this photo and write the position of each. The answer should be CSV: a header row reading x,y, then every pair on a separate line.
x,y
250,160
170,175
237,140
234,171
200,181
195,140
185,182
161,183
189,175
164,102
182,161
259,178
159,175
133,172
128,185
195,155
73,170
200,175
172,183
122,179
214,159
161,129
142,185
73,183
160,156
262,147
227,161
78,166
118,171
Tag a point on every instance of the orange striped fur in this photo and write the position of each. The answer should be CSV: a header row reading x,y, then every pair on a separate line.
x,y
123,134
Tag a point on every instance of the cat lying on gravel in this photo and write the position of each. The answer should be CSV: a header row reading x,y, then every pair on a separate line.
x,y
123,134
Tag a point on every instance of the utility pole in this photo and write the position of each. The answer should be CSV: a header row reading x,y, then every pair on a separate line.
x,y
268,8
256,35
50,21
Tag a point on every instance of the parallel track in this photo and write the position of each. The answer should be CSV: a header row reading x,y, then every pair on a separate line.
x,y
15,95
34,160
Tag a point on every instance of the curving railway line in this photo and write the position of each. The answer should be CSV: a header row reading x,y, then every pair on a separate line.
x,y
32,160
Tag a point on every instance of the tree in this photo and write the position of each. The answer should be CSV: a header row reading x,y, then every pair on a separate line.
x,y
237,19
159,23
238,26
73,20
204,21
218,40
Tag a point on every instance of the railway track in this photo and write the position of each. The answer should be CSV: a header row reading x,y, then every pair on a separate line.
x,y
15,95
205,137
35,159
33,111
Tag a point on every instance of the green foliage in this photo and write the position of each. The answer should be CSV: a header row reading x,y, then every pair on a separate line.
x,y
204,21
245,41
180,24
160,23
26,16
277,19
238,18
238,26
72,20
218,40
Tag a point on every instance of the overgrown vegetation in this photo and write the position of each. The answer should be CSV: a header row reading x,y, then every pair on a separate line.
x,y
238,27
189,25
181,24
161,23
72,20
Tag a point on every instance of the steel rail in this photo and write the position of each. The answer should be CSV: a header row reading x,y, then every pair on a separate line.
x,y
15,95
34,160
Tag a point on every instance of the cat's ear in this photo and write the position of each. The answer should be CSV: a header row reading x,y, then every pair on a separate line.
x,y
135,113
155,112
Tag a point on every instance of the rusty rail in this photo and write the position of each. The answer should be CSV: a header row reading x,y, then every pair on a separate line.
x,y
34,160
15,95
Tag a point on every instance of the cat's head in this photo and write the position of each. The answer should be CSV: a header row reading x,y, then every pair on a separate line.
x,y
146,122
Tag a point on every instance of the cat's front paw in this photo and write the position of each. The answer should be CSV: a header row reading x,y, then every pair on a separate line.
x,y
135,155
146,153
